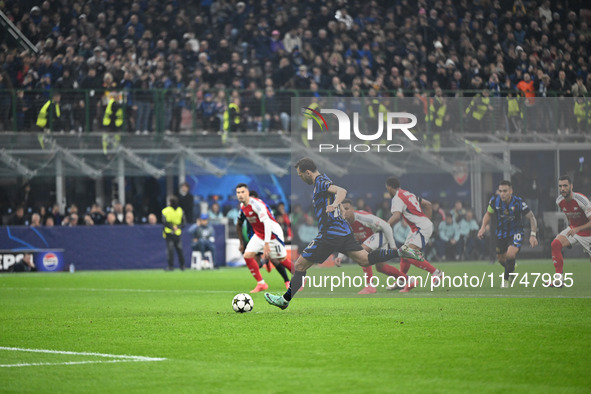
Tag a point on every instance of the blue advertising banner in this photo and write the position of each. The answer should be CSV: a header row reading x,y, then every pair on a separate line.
x,y
99,247
49,260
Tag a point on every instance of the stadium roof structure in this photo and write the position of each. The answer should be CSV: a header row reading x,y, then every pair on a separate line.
x,y
100,155
97,155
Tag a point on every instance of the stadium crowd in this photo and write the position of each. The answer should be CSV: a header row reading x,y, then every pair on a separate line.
x,y
231,62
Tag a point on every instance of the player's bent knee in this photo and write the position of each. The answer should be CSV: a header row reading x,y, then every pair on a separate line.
x,y
360,257
302,265
556,245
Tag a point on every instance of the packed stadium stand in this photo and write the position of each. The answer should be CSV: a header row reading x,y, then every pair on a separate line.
x,y
150,84
159,60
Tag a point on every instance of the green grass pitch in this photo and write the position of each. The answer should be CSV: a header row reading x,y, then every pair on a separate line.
x,y
481,339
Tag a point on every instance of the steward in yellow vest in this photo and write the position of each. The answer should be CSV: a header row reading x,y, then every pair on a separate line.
x,y
582,111
375,107
437,109
50,114
173,218
514,113
232,116
304,136
479,107
113,118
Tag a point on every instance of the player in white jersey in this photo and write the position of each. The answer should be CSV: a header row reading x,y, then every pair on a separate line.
x,y
373,233
406,206
577,209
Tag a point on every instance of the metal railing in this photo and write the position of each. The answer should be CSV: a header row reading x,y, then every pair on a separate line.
x,y
184,110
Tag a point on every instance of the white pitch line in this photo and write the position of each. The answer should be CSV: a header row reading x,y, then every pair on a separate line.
x,y
65,363
119,357
118,290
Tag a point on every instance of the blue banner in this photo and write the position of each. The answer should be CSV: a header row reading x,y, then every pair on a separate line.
x,y
49,260
101,247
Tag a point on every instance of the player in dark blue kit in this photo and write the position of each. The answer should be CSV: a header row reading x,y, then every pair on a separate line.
x,y
334,233
510,211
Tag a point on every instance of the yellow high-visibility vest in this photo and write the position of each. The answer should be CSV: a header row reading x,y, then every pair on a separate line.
x,y
109,114
43,114
174,216
380,108
313,106
581,112
513,108
436,114
236,119
480,108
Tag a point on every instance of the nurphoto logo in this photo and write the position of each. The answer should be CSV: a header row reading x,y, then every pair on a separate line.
x,y
394,121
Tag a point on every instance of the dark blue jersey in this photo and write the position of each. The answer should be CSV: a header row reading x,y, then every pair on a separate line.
x,y
331,224
509,215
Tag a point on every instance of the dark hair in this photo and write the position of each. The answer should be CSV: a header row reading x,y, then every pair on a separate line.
x,y
565,178
238,186
505,183
306,164
253,193
393,182
174,201
347,201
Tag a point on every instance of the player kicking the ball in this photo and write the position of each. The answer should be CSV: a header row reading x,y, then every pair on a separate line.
x,y
577,209
373,233
334,233
268,236
406,206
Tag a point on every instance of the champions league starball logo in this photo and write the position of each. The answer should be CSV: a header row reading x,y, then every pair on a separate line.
x,y
394,122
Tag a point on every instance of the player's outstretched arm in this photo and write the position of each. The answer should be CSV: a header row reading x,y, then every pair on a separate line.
x,y
485,222
395,218
340,194
388,232
574,230
427,208
533,240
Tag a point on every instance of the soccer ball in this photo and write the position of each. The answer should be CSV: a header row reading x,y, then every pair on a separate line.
x,y
242,303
